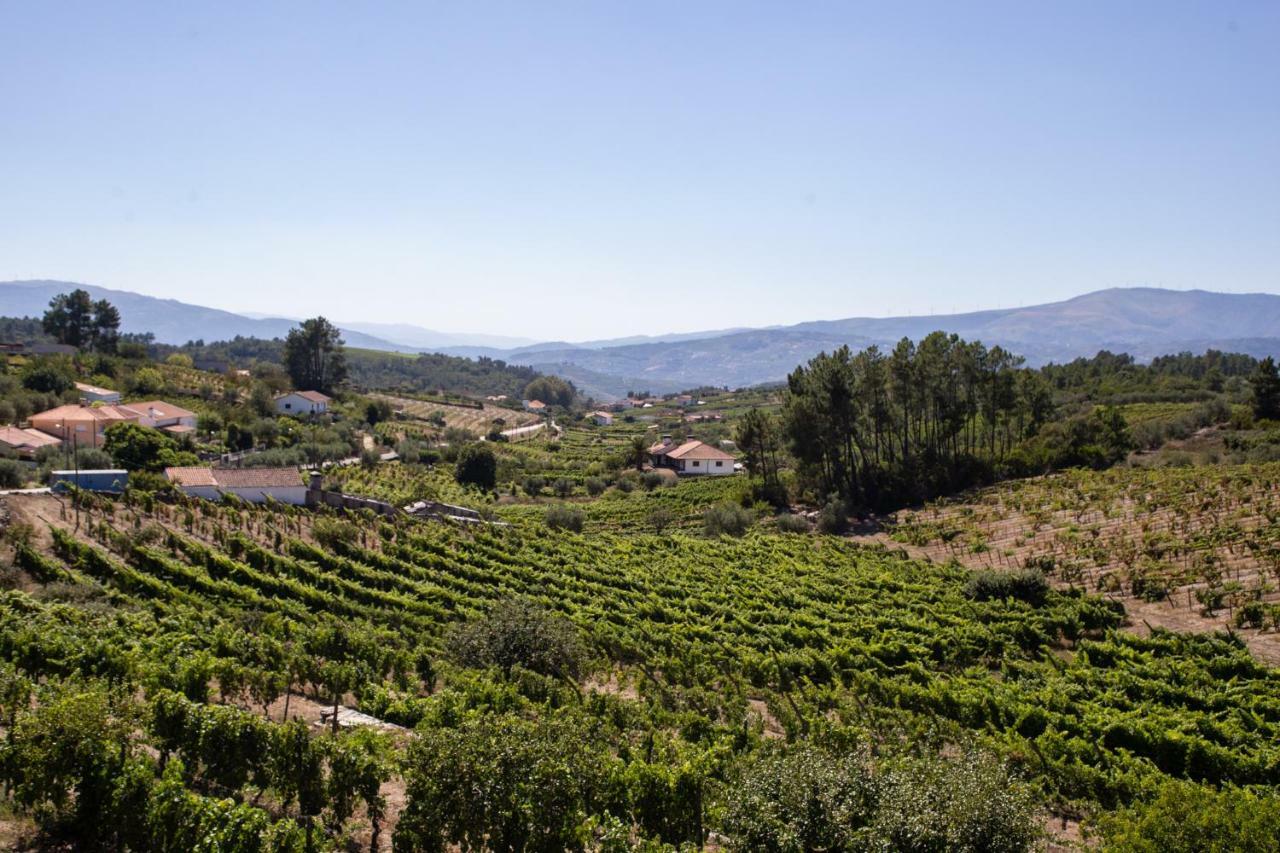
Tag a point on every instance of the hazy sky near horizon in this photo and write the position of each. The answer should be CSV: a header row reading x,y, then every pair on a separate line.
x,y
585,170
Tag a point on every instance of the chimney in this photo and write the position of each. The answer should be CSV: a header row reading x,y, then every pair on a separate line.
x,y
317,481
666,441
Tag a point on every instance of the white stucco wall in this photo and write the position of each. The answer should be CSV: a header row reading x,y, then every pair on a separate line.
x,y
209,493
708,466
299,406
296,495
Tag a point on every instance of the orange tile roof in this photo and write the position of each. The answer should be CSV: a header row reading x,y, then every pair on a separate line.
x,y
16,437
235,478
87,413
192,476
698,450
161,410
257,478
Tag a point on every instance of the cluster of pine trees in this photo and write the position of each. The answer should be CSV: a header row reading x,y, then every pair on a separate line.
x,y
924,419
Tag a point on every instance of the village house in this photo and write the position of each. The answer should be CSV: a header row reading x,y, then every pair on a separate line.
x,y
691,457
81,425
163,416
94,394
303,403
24,443
536,406
602,418
254,485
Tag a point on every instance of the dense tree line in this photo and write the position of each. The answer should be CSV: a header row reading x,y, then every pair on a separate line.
x,y
1118,377
426,372
24,330
924,419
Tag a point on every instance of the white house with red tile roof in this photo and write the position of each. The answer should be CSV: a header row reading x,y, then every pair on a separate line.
x,y
602,418
691,457
303,403
254,485
536,406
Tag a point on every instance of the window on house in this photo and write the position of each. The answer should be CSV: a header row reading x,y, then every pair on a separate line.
x,y
719,464
695,463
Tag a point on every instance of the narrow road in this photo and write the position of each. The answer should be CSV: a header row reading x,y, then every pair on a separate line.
x,y
519,432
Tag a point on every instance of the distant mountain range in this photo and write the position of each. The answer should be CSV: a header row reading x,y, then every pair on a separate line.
x,y
174,322
1143,321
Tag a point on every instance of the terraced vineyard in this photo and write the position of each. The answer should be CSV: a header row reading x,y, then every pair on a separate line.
x,y
477,420
711,647
1186,547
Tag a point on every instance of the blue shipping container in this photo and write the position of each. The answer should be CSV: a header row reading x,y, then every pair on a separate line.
x,y
101,480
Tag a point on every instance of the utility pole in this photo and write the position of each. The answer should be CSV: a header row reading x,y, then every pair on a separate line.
x,y
75,497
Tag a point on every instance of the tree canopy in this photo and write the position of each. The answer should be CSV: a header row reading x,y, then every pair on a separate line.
x,y
551,390
75,319
138,448
1265,384
923,420
476,466
314,356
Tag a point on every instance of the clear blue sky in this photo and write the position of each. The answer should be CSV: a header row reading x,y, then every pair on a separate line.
x,y
578,170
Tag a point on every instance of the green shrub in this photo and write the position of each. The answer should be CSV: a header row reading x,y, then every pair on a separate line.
x,y
1185,817
476,466
966,804
834,518
519,633
562,517
13,474
330,532
803,798
501,782
1253,614
1027,585
661,518
791,523
808,798
726,519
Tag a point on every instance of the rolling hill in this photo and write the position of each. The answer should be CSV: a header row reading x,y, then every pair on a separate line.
x,y
175,322
1142,321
